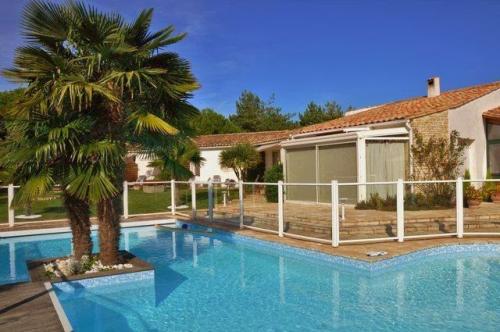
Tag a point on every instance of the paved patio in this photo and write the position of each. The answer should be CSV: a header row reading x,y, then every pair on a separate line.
x,y
315,219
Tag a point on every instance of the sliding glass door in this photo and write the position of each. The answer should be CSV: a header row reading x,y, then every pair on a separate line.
x,y
301,167
337,162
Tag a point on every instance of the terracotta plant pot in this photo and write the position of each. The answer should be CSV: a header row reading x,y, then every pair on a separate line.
x,y
495,197
473,203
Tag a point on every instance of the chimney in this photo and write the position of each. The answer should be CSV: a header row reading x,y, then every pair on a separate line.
x,y
433,87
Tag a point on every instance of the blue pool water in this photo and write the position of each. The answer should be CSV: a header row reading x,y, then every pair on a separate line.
x,y
219,282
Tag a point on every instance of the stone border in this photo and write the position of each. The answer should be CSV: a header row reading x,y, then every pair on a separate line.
x,y
63,319
36,269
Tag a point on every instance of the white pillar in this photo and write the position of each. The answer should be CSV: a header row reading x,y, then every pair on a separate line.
x,y
283,163
335,213
210,201
193,200
400,210
241,196
460,207
280,208
125,200
172,196
361,157
10,199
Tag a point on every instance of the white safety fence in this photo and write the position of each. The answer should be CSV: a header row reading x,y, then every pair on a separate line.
x,y
332,213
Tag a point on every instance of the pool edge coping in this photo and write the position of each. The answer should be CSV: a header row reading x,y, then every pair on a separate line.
x,y
61,314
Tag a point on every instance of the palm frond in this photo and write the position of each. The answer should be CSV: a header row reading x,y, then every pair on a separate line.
x,y
91,184
36,186
148,121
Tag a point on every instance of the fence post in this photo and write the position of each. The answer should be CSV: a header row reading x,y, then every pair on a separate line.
x,y
172,197
125,199
10,199
280,208
242,216
335,214
460,207
400,210
193,200
210,201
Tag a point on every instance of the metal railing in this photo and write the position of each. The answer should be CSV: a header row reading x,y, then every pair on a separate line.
x,y
201,203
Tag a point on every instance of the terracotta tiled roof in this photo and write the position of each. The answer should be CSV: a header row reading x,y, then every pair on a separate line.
x,y
407,109
256,138
493,114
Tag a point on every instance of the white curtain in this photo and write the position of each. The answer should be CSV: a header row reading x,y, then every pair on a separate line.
x,y
385,161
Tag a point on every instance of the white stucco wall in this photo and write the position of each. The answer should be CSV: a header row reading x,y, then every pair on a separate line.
x,y
468,121
212,167
142,165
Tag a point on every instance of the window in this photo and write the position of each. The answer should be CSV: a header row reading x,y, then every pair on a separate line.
x,y
386,160
321,164
493,136
493,131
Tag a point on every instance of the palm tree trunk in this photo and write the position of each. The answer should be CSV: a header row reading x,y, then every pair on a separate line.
x,y
108,210
109,230
79,219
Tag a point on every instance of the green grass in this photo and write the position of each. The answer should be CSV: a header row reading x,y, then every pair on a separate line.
x,y
49,208
139,203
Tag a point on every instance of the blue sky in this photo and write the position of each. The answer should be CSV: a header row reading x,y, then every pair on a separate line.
x,y
355,52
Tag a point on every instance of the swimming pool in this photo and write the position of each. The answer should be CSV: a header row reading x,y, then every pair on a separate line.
x,y
220,282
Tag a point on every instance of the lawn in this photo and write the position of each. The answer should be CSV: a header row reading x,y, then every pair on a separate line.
x,y
139,202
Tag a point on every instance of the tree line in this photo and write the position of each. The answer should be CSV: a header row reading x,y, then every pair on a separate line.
x,y
255,114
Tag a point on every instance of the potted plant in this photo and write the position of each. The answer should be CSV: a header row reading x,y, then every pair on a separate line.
x,y
473,197
495,196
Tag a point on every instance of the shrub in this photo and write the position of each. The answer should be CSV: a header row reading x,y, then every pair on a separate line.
x,y
274,174
412,202
489,188
437,159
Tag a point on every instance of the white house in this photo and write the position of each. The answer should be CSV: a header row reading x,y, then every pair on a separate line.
x,y
266,142
370,144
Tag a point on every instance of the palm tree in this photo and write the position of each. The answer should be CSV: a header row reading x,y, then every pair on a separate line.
x,y
175,158
81,61
38,153
240,158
